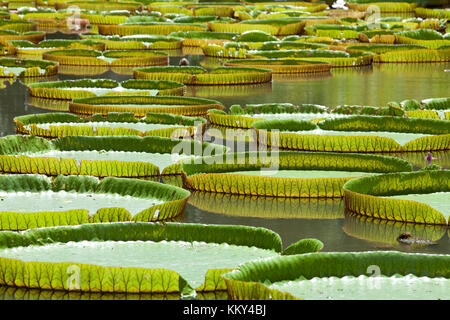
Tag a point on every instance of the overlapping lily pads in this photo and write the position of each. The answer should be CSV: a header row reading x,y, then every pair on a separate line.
x,y
127,129
103,251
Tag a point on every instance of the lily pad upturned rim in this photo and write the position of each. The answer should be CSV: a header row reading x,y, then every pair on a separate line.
x,y
364,196
182,126
11,146
436,134
174,200
250,281
190,106
32,67
211,174
57,89
128,279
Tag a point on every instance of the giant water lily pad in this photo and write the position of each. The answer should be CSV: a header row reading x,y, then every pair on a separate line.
x,y
283,174
17,26
353,275
415,56
138,42
11,35
357,134
419,159
13,67
127,156
439,201
135,257
153,27
229,50
420,197
337,58
245,116
48,104
56,125
33,201
72,89
27,48
201,76
141,105
363,287
116,58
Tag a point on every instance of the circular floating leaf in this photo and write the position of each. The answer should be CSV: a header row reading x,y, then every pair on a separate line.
x,y
119,156
73,89
14,67
200,76
115,58
72,200
358,134
385,196
294,277
283,174
142,105
102,256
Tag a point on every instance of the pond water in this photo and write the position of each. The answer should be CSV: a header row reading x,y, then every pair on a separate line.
x,y
296,219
